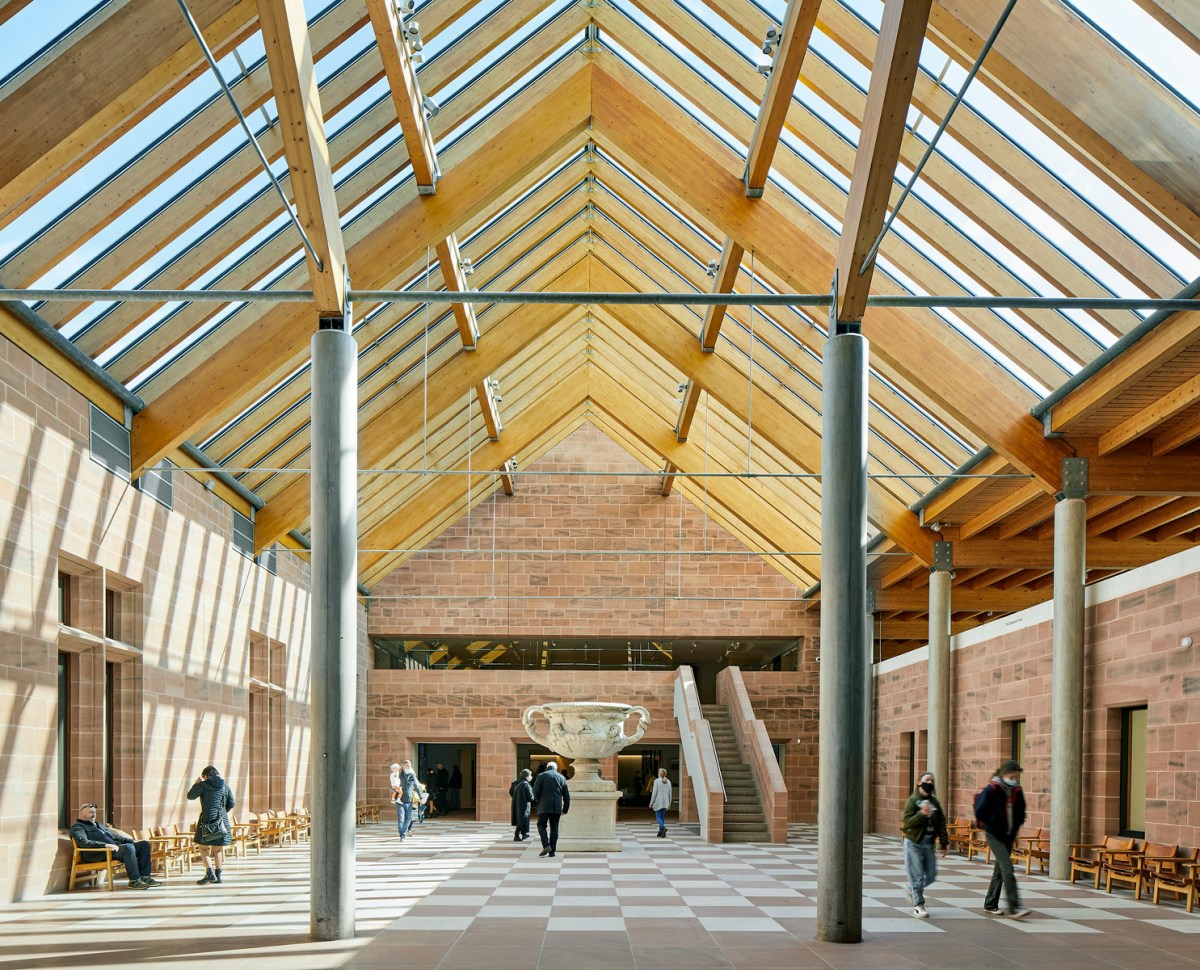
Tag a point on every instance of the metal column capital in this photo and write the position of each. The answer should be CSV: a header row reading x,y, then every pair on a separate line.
x,y
943,557
1074,479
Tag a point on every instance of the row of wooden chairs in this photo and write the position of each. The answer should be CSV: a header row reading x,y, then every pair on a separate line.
x,y
365,812
1158,867
1155,867
173,847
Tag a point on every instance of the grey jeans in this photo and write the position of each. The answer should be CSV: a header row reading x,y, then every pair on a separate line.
x,y
920,864
1002,874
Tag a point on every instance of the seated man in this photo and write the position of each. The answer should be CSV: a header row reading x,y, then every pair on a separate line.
x,y
90,834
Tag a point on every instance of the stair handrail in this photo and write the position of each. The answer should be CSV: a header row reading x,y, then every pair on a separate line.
x,y
757,751
700,756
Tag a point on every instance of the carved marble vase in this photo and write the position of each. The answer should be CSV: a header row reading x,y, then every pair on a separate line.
x,y
587,732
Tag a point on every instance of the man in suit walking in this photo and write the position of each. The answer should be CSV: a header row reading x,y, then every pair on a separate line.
x,y
553,801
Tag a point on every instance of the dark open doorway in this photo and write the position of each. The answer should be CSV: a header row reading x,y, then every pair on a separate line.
x,y
452,795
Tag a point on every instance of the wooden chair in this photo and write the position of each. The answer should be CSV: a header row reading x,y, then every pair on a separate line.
x,y
164,852
1031,848
301,823
959,832
272,829
1090,859
1178,876
1131,870
977,842
245,834
91,870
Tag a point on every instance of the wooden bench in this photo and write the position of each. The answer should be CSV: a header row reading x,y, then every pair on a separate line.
x,y
90,870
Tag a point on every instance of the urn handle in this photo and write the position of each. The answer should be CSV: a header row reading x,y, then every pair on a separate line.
x,y
530,727
640,730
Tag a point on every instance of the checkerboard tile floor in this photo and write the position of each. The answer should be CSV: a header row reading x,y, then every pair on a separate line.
x,y
462,895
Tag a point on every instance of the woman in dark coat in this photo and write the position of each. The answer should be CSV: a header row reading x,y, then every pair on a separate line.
x,y
215,802
521,793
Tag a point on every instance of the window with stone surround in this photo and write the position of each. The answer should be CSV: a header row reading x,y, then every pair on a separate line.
x,y
265,716
99,717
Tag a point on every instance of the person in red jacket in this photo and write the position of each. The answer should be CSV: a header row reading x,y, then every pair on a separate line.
x,y
1000,812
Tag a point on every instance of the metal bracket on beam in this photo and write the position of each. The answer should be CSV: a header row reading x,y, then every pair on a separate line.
x,y
1074,479
752,192
943,557
872,599
836,326
1048,426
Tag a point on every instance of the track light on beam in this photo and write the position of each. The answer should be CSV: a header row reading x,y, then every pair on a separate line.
x,y
431,107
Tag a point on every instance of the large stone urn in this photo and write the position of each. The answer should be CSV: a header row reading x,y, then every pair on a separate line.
x,y
587,732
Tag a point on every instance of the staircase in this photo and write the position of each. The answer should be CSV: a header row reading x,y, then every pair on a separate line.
x,y
744,820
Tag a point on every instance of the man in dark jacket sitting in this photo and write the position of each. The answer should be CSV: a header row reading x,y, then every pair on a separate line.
x,y
90,834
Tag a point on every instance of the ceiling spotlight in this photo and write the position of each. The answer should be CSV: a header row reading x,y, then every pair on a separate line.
x,y
405,7
431,107
771,41
764,65
713,266
413,33
468,267
682,386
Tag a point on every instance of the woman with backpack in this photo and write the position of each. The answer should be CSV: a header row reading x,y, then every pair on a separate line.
x,y
924,825
1000,812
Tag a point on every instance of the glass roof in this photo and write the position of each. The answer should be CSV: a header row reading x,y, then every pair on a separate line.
x,y
1004,207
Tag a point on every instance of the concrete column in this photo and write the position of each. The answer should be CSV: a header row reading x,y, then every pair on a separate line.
x,y
1066,712
334,484
939,680
843,633
868,712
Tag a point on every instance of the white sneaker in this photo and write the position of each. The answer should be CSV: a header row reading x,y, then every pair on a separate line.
x,y
920,912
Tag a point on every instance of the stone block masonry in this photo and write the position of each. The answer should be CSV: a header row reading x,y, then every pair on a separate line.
x,y
161,610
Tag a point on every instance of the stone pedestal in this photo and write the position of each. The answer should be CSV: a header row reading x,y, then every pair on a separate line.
x,y
591,824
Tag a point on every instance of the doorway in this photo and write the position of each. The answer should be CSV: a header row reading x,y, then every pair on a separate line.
x,y
457,792
637,767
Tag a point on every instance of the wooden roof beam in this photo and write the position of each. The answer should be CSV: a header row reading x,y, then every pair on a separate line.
x,y
961,599
798,22
687,409
302,126
1150,417
668,477
1001,510
507,482
450,261
112,78
970,387
518,142
485,395
725,277
774,421
897,54
1170,338
1037,554
1173,475
394,51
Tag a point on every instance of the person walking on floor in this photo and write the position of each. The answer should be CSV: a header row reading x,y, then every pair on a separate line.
x,y
454,791
553,801
404,782
1000,812
660,801
924,825
521,793
213,831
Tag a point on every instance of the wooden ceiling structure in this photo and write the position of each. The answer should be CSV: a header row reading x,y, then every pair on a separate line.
x,y
615,146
